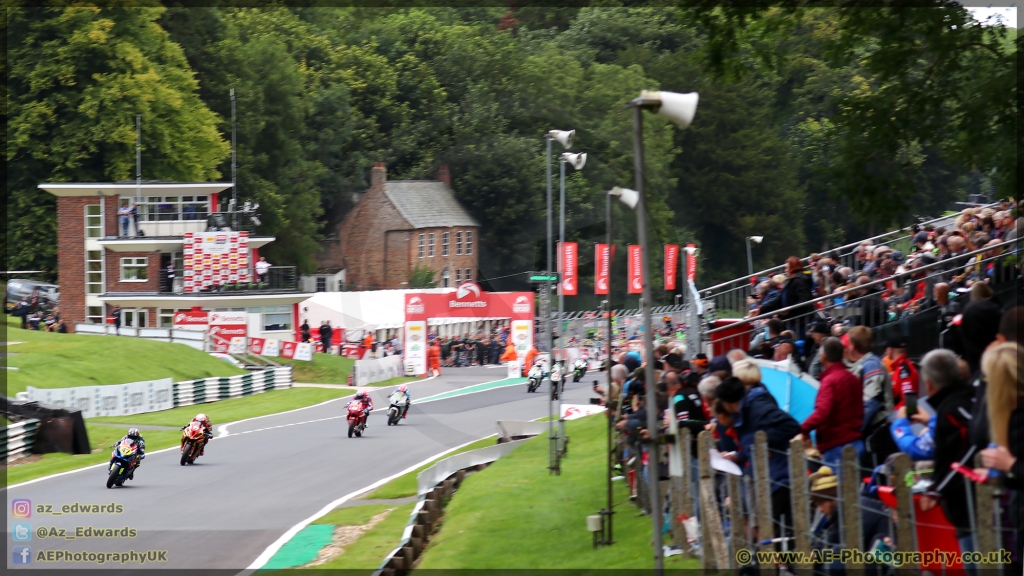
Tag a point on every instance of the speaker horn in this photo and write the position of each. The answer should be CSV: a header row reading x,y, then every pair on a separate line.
x,y
563,137
577,161
679,108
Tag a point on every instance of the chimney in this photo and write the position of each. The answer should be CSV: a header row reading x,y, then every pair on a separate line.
x,y
443,175
378,176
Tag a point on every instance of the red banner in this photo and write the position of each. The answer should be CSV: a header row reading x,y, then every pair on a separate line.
x,y
671,261
635,270
567,267
288,349
602,268
469,301
691,264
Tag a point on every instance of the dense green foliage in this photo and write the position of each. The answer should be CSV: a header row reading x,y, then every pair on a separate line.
x,y
815,126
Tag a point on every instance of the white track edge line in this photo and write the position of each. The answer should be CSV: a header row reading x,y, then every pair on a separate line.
x,y
276,546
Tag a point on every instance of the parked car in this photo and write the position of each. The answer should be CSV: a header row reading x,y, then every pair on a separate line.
x,y
18,288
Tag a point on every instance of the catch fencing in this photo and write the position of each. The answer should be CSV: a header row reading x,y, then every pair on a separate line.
x,y
18,438
205,390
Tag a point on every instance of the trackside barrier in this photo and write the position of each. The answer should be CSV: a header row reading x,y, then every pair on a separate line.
x,y
220,388
370,371
436,484
195,339
18,438
515,429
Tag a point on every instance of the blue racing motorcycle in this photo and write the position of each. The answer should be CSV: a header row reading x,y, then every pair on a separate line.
x,y
122,462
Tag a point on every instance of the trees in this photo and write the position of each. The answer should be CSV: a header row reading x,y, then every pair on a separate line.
x,y
76,78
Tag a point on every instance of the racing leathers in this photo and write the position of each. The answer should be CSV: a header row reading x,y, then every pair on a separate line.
x,y
402,399
207,433
140,443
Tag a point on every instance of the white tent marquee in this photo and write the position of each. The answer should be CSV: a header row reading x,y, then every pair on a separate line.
x,y
377,310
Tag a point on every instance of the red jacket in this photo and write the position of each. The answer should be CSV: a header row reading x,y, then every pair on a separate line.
x,y
905,380
838,409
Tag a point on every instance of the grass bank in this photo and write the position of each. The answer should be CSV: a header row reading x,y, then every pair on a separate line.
x,y
52,360
324,369
515,515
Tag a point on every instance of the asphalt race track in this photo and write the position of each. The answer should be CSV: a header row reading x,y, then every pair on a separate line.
x,y
268,474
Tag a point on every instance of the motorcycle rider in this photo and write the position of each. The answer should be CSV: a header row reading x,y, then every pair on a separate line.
x,y
406,398
367,405
207,431
136,438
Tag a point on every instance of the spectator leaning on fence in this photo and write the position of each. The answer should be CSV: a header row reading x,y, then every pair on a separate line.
x,y
838,408
874,378
951,398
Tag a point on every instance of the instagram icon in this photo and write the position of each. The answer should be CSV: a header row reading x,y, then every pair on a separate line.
x,y
21,508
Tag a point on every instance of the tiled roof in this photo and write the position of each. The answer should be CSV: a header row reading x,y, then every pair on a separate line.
x,y
427,204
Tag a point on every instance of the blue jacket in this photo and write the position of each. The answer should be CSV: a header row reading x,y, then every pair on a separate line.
x,y
759,411
917,447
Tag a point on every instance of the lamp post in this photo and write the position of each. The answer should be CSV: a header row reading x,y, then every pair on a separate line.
x,y
680,109
750,261
577,161
629,198
565,138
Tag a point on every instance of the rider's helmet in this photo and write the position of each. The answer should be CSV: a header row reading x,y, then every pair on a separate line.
x,y
403,388
359,396
201,418
133,433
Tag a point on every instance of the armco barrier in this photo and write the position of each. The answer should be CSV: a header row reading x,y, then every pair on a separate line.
x,y
429,506
518,429
205,390
370,371
18,438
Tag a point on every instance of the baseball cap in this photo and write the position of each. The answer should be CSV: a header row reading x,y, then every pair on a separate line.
x,y
898,256
820,328
920,237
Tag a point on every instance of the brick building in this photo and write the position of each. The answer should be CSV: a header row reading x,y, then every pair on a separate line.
x,y
100,266
397,226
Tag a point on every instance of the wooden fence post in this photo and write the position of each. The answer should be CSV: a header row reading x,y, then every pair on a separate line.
x,y
736,539
798,496
905,541
713,539
985,529
763,489
687,449
849,480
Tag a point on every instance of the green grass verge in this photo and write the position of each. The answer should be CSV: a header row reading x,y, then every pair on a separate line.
x,y
233,409
100,437
516,515
51,360
405,485
324,369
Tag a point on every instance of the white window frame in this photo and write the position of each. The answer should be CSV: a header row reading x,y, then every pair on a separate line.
x,y
458,243
274,311
458,276
445,238
135,264
95,318
446,278
98,228
469,242
431,245
321,284
467,275
423,245
138,315
102,281
150,205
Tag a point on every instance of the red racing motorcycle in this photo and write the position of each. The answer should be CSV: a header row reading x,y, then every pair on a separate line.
x,y
356,418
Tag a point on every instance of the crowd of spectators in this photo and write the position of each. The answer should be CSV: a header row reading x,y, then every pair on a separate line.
x,y
35,317
957,400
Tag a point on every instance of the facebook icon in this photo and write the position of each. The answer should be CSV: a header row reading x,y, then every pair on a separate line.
x,y
21,555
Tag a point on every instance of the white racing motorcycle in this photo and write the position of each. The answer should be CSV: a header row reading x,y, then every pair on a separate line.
x,y
536,376
399,403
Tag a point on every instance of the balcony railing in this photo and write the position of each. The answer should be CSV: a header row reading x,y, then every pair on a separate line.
x,y
277,278
162,225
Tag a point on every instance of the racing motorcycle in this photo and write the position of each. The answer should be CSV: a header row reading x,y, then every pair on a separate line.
x,y
356,418
556,381
579,368
193,436
536,376
398,402
123,461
